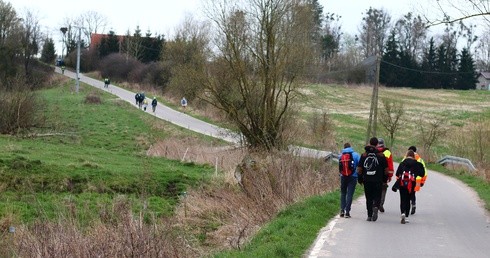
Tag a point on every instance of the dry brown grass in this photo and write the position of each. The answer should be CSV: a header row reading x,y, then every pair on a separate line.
x,y
125,236
242,198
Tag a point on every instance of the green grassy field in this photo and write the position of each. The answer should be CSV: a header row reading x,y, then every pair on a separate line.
x,y
89,155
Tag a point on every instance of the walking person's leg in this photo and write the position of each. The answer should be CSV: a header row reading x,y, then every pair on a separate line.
x,y
383,196
343,194
404,204
351,187
368,193
412,200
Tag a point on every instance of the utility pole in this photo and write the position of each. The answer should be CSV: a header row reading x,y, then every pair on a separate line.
x,y
373,113
78,59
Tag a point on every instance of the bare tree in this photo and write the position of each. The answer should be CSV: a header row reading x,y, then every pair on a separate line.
x,y
262,48
31,38
374,31
390,117
10,36
92,22
482,52
186,55
132,44
431,131
412,32
457,10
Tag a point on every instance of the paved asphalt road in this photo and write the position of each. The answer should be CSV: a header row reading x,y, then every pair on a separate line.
x,y
450,219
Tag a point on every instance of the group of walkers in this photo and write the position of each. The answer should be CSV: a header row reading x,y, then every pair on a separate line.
x,y
142,102
374,170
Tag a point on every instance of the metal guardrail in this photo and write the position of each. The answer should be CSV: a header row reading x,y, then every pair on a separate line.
x,y
457,160
332,156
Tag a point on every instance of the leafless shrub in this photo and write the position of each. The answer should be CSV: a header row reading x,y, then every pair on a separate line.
x,y
126,235
391,117
430,131
472,142
21,109
322,129
93,98
118,66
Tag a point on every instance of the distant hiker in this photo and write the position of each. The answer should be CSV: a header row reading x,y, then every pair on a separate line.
x,y
406,174
183,102
137,99
154,104
419,181
371,170
348,161
107,82
145,104
386,179
62,69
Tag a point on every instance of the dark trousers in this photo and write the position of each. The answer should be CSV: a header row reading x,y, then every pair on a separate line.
x,y
347,188
383,194
372,191
412,198
405,198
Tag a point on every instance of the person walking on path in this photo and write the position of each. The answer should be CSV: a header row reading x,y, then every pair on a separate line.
x,y
183,102
107,82
419,181
406,174
386,179
348,178
145,104
154,103
371,169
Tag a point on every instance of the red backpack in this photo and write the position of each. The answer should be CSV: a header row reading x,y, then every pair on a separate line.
x,y
346,164
407,181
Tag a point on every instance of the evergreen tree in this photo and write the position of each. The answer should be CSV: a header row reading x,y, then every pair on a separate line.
x,y
410,75
429,66
108,44
391,58
466,79
152,48
48,54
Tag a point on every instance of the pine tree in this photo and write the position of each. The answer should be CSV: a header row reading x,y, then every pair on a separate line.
x,y
466,79
391,58
48,53
429,66
108,44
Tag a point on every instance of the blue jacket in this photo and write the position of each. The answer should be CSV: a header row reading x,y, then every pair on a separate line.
x,y
355,156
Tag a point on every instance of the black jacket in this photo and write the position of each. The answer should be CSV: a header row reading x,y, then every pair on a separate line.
x,y
379,170
410,164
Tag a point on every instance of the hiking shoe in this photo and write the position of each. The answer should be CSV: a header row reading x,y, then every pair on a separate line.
x,y
381,209
375,213
412,211
347,215
369,219
341,213
404,220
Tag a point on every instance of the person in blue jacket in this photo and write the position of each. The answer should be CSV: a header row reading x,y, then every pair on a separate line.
x,y
348,183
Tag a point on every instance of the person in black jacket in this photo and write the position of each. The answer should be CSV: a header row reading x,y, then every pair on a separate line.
x,y
372,168
408,170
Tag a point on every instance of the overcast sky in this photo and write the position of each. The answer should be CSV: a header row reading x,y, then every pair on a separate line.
x,y
162,16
